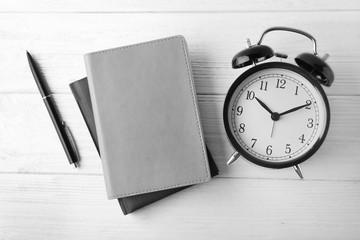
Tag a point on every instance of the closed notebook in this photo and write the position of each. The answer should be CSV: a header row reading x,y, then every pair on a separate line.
x,y
129,204
146,117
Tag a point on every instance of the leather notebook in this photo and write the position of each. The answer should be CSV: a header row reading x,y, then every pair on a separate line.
x,y
129,204
146,117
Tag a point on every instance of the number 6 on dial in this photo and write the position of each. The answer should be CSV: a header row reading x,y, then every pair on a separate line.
x,y
276,114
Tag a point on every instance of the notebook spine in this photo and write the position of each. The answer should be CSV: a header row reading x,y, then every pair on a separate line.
x,y
80,92
87,59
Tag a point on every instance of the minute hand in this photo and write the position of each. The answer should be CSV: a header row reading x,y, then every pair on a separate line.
x,y
294,109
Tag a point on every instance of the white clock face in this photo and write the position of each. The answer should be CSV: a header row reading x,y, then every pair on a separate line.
x,y
276,115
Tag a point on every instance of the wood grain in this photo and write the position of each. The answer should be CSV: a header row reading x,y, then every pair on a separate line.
x,y
124,6
58,42
27,124
73,207
42,197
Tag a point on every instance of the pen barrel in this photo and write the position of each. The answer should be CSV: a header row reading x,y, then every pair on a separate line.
x,y
35,72
60,129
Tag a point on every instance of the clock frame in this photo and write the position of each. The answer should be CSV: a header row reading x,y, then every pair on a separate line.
x,y
229,130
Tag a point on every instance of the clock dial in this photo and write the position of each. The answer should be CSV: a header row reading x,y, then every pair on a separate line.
x,y
275,116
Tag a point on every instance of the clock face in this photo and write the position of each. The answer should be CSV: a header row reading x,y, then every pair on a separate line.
x,y
276,117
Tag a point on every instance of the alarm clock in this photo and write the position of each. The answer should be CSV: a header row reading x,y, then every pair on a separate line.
x,y
276,114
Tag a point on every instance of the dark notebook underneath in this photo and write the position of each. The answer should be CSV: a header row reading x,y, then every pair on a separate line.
x,y
80,90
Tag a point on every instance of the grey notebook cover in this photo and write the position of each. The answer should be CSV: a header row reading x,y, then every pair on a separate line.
x,y
146,117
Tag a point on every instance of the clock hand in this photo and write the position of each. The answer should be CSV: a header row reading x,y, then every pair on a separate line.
x,y
294,109
272,129
264,105
274,116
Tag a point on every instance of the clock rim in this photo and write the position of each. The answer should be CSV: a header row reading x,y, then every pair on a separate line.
x,y
310,152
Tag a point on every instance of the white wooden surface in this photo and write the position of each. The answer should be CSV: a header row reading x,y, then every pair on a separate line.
x,y
42,197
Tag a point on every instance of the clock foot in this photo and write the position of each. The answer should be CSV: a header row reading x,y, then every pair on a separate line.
x,y
298,170
233,158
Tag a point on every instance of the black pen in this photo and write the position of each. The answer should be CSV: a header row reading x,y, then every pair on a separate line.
x,y
62,130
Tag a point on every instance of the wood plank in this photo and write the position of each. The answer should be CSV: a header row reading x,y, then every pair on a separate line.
x,y
58,41
175,6
26,126
41,195
73,207
336,159
29,144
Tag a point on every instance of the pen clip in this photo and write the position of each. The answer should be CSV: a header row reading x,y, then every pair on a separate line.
x,y
72,142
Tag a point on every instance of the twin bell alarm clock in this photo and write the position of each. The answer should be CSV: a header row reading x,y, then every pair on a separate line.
x,y
276,114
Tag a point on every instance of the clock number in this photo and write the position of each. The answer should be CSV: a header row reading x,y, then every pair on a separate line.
x,y
281,83
263,86
296,90
242,128
255,140
239,110
310,123
250,95
309,104
288,149
302,138
269,150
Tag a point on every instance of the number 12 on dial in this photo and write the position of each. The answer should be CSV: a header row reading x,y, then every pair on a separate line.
x,y
276,115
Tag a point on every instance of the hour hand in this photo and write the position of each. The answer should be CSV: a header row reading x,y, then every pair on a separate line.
x,y
264,105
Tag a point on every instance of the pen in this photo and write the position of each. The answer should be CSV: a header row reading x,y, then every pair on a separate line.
x,y
62,130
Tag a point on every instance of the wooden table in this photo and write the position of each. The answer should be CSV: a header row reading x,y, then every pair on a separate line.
x,y
42,197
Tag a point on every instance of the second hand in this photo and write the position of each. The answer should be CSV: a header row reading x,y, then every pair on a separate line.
x,y
272,129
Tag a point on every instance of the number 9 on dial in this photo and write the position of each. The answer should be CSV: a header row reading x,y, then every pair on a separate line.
x,y
276,114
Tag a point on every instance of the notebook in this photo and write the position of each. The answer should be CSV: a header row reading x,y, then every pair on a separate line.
x,y
146,117
129,204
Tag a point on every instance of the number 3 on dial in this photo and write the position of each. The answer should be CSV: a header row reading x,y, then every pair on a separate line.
x,y
276,115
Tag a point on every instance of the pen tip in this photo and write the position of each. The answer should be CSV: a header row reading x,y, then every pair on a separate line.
x,y
75,164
